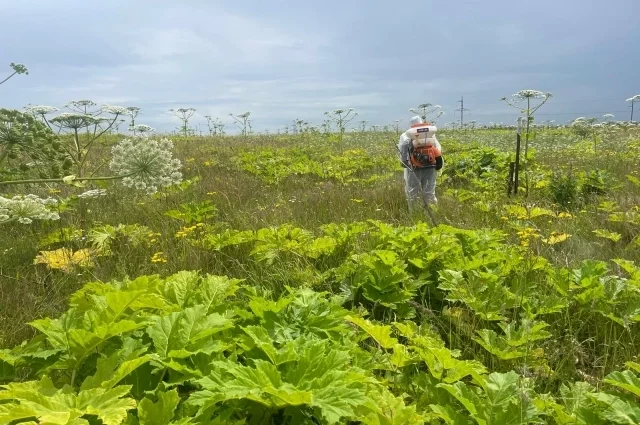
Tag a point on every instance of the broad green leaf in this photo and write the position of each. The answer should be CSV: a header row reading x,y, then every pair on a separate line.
x,y
109,373
468,398
262,340
380,333
336,403
260,305
626,380
633,366
577,406
617,410
500,388
161,412
215,290
287,395
449,415
177,330
49,405
606,234
180,286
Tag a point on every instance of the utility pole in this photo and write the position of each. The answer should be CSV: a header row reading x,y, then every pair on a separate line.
x,y
462,109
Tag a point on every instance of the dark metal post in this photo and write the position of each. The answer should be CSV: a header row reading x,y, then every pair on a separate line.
x,y
517,165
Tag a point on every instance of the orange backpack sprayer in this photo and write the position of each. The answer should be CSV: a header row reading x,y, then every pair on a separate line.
x,y
423,152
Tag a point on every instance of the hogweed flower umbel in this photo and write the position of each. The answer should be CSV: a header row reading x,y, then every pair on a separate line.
x,y
116,110
146,164
73,120
142,128
26,208
95,193
40,109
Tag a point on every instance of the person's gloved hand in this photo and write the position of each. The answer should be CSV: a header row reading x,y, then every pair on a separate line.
x,y
439,162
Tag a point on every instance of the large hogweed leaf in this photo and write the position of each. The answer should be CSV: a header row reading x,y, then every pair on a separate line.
x,y
517,341
302,312
484,292
180,333
160,412
46,403
501,400
626,380
443,364
318,380
380,333
80,330
616,409
381,277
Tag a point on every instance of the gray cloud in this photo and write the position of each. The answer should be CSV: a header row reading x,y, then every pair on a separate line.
x,y
285,60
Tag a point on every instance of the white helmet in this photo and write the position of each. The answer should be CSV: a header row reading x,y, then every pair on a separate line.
x,y
415,120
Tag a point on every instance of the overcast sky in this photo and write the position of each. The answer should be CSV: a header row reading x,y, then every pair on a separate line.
x,y
296,59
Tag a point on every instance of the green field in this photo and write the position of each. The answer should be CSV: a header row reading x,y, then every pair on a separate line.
x,y
283,281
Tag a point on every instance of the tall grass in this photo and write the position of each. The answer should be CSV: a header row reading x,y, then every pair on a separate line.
x,y
243,200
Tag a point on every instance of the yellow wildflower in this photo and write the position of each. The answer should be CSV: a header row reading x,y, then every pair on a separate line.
x,y
159,257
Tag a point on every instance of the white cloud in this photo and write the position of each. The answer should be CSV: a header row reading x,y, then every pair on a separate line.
x,y
297,61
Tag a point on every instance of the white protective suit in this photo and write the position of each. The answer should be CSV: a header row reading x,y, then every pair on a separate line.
x,y
417,182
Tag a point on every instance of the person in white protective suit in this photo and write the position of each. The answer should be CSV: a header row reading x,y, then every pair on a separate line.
x,y
419,177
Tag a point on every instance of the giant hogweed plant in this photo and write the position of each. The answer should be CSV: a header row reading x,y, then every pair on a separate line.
x,y
29,147
498,296
140,163
184,115
243,122
425,110
341,118
207,349
196,349
530,97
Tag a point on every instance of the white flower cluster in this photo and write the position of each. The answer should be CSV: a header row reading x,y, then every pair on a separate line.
x,y
530,94
80,103
116,110
40,109
95,193
73,120
25,208
147,164
142,128
635,98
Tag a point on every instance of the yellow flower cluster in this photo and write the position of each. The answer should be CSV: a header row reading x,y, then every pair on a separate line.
x,y
153,237
159,257
528,234
189,231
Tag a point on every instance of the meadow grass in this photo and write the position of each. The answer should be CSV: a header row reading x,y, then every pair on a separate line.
x,y
471,194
